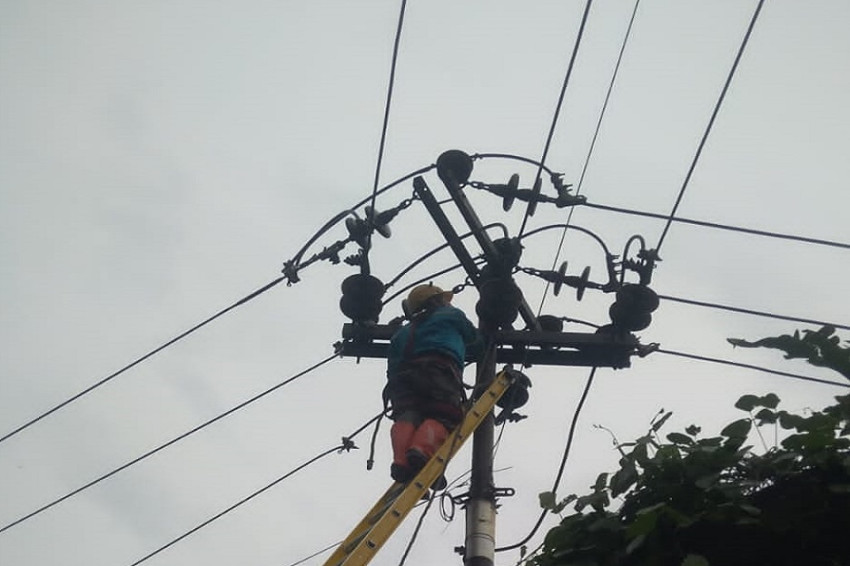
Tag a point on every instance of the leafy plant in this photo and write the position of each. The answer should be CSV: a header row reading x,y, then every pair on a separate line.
x,y
697,500
820,348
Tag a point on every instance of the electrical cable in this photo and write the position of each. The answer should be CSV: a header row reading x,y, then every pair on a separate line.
x,y
750,366
752,312
315,554
721,226
112,376
416,531
401,291
710,124
438,249
296,259
573,424
167,444
387,110
558,109
590,150
514,157
346,445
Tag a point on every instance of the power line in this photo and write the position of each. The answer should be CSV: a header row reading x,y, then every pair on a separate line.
x,y
558,108
167,444
563,464
753,312
317,553
345,445
108,378
720,226
749,366
590,150
387,105
416,530
710,124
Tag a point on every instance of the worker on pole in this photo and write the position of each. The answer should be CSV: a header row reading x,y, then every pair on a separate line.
x,y
424,378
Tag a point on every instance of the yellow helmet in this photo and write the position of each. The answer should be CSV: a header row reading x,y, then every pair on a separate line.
x,y
420,294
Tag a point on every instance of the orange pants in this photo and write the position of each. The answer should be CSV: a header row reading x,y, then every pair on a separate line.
x,y
425,439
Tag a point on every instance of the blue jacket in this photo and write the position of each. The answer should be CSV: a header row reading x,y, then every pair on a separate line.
x,y
444,331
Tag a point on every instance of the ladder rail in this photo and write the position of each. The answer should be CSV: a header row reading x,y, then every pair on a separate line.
x,y
395,504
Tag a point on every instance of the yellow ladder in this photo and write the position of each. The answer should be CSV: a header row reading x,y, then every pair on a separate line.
x,y
394,505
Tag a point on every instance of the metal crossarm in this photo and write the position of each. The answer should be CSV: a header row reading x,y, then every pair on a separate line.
x,y
393,506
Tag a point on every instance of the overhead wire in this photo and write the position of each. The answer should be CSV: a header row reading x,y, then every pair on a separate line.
x,y
750,366
580,183
751,312
707,224
710,124
296,260
563,463
438,249
385,125
317,553
136,362
345,445
167,444
558,108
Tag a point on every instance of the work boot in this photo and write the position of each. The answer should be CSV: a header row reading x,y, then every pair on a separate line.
x,y
401,473
417,461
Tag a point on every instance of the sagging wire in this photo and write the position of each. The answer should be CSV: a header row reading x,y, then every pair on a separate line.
x,y
346,445
710,124
592,147
558,108
566,454
707,224
167,444
440,248
136,362
386,122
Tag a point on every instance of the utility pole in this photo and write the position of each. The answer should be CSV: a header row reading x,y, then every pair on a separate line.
x,y
500,304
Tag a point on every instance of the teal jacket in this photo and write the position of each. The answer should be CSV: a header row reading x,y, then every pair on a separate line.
x,y
444,331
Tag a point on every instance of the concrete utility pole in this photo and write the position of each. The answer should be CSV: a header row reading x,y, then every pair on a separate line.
x,y
500,303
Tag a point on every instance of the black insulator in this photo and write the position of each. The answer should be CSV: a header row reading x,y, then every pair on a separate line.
x,y
499,302
361,297
633,307
517,394
454,165
585,275
510,192
559,282
535,193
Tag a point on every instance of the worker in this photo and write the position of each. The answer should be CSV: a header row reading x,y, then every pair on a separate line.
x,y
424,378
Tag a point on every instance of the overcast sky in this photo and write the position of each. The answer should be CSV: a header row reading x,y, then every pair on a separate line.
x,y
160,160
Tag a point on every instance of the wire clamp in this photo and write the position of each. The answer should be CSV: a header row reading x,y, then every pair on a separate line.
x,y
347,445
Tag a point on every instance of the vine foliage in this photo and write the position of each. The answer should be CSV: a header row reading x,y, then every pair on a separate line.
x,y
693,500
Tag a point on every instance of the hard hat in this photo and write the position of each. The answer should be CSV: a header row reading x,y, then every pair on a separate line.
x,y
420,294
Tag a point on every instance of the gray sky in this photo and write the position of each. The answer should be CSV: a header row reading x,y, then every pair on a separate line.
x,y
160,160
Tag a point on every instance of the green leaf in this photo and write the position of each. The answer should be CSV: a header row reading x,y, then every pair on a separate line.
x,y
747,403
693,430
635,543
737,429
765,416
770,401
601,481
656,426
623,479
695,560
679,438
